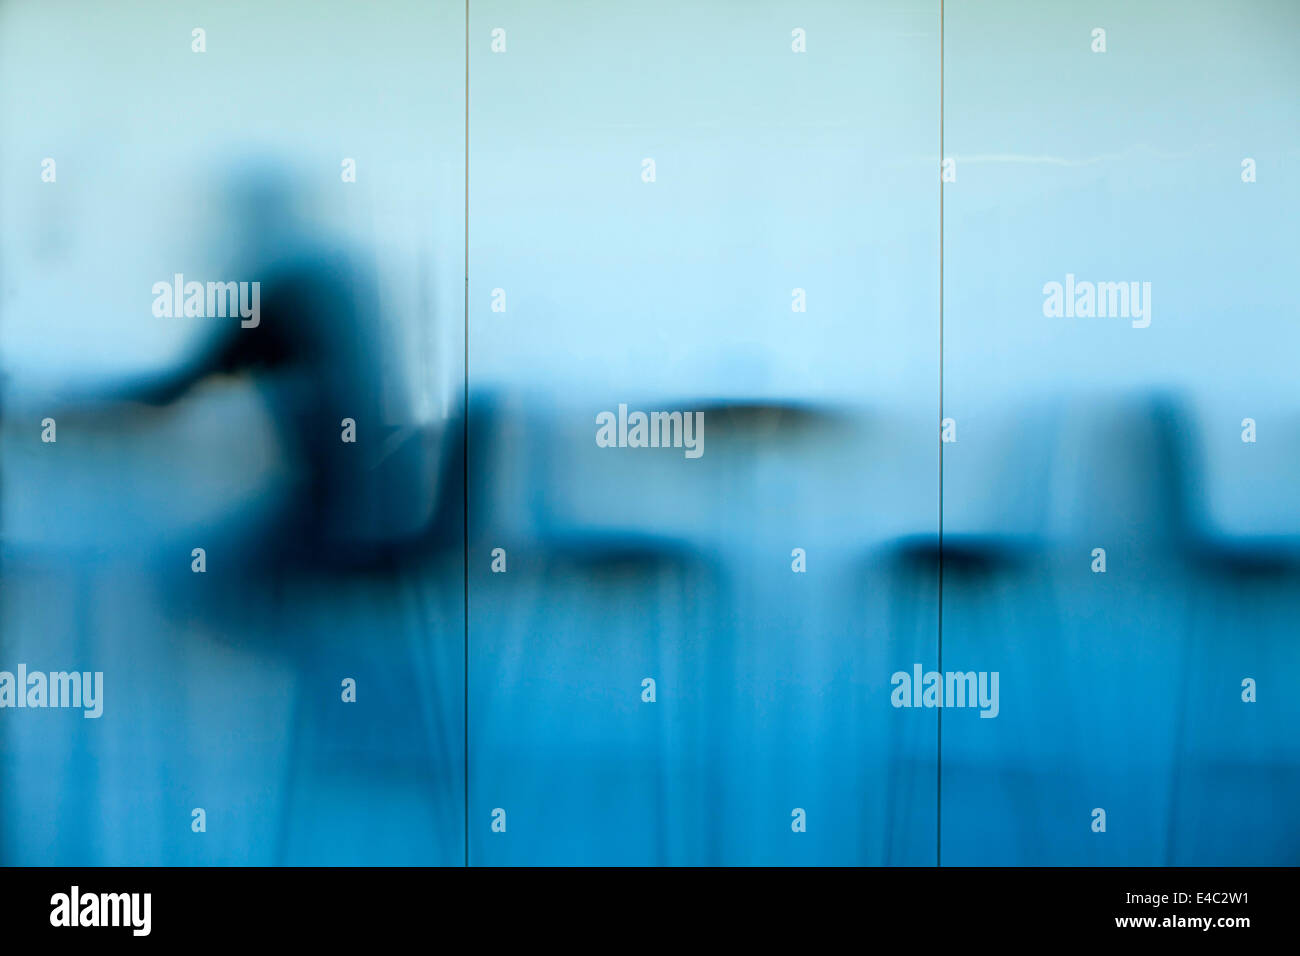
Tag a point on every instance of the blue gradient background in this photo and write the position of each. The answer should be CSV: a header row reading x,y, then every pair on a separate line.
x,y
775,171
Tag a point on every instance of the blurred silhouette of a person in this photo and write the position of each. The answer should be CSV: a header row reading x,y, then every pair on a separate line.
x,y
316,356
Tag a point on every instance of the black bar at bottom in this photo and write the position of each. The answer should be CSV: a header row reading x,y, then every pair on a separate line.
x,y
460,907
